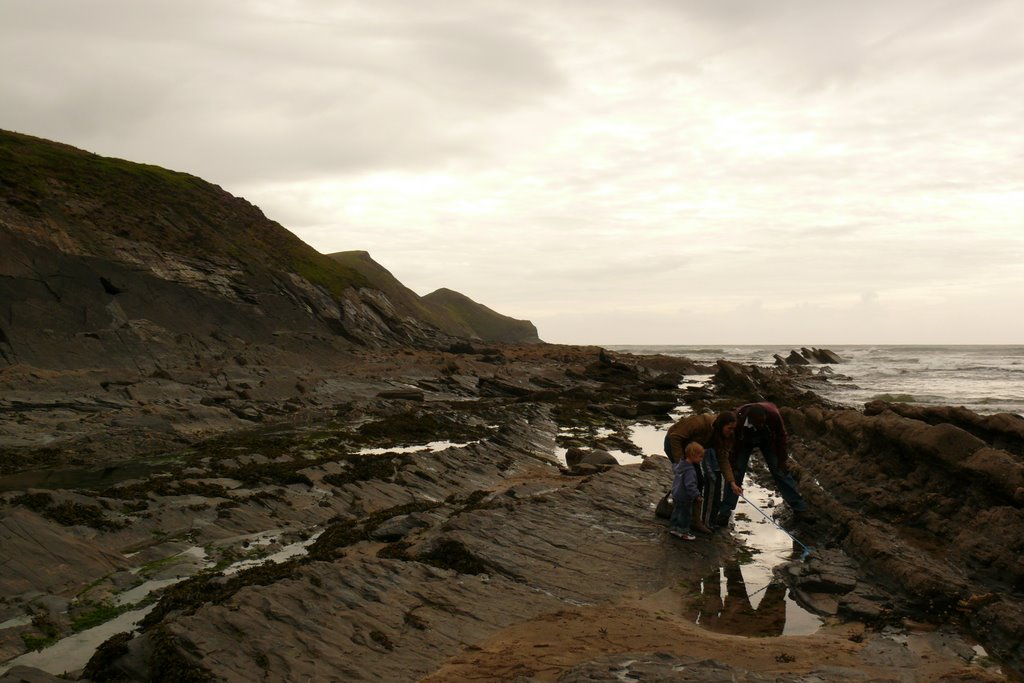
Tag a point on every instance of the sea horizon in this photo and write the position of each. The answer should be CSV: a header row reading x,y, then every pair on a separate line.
x,y
985,378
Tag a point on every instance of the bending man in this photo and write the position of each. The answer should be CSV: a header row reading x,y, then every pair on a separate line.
x,y
759,425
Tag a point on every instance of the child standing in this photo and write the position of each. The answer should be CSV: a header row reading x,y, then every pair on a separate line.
x,y
685,492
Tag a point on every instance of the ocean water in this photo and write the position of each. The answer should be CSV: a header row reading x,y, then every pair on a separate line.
x,y
985,379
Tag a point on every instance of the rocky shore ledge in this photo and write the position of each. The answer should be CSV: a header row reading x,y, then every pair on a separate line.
x,y
408,515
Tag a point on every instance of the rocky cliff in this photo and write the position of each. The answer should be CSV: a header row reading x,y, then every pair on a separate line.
x,y
410,303
485,323
105,262
450,311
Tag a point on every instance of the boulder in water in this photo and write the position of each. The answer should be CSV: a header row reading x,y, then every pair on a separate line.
x,y
808,356
796,358
586,456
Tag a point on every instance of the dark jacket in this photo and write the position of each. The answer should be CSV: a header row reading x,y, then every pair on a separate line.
x,y
684,487
690,428
695,428
774,423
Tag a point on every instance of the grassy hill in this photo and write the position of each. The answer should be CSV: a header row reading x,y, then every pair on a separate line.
x,y
485,323
77,228
95,201
448,310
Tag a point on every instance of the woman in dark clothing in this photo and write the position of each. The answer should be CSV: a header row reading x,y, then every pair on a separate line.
x,y
715,433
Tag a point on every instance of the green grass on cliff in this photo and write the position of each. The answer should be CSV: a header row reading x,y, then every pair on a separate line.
x,y
93,198
486,323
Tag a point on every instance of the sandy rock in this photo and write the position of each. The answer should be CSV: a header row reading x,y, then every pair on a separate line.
x,y
27,674
399,527
44,557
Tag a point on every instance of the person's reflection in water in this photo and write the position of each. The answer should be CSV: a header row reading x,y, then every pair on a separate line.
x,y
733,612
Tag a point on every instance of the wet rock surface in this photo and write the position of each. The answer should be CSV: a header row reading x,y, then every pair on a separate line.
x,y
930,510
1003,431
478,554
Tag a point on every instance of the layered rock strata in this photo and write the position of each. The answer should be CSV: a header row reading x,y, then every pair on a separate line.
x,y
486,558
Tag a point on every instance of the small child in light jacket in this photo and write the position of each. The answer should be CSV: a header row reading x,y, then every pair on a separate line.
x,y
685,492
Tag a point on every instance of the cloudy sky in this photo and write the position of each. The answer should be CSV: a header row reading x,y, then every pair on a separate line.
x,y
794,172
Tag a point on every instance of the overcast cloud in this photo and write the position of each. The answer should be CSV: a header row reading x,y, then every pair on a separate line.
x,y
662,171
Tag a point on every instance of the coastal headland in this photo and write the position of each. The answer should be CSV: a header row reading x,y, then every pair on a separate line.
x,y
224,456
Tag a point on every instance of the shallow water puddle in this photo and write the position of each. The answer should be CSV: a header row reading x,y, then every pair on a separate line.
x,y
650,439
285,553
15,622
648,434
73,652
736,600
433,447
745,598
136,595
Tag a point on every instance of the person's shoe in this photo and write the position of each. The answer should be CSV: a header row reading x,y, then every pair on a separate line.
x,y
722,521
700,527
682,535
